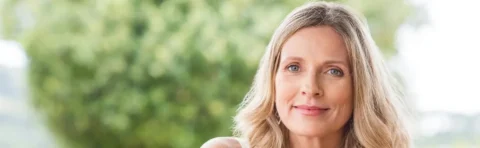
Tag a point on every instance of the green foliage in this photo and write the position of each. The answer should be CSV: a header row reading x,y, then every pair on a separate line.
x,y
152,73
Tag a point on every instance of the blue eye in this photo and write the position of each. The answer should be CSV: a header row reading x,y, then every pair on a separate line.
x,y
293,68
335,72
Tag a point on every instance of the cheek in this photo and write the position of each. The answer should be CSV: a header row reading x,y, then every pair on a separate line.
x,y
340,92
341,96
284,88
285,91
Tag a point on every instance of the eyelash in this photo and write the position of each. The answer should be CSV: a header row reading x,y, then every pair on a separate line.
x,y
288,67
328,72
339,71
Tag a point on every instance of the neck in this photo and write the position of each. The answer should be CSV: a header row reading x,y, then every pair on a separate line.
x,y
330,141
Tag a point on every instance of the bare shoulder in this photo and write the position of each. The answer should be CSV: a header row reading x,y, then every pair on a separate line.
x,y
222,142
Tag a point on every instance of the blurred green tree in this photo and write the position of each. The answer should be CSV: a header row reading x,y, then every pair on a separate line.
x,y
153,73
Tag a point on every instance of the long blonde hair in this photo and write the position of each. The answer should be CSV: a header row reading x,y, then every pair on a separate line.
x,y
377,119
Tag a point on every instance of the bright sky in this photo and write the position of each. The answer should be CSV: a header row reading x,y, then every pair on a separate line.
x,y
11,54
442,59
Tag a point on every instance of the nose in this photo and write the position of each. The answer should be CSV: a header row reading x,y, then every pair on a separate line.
x,y
311,86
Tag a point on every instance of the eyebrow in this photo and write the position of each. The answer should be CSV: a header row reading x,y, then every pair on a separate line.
x,y
336,62
294,58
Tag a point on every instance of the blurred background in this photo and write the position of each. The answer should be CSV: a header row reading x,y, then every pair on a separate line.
x,y
171,73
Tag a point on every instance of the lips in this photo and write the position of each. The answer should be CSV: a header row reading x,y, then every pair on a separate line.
x,y
309,110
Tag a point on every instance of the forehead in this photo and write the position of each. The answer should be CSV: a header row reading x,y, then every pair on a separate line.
x,y
318,43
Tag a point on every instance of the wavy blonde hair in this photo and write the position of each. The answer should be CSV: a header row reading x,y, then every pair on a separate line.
x,y
376,121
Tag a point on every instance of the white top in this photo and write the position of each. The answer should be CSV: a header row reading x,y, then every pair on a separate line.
x,y
243,142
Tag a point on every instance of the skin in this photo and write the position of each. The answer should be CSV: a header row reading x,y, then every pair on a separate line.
x,y
314,72
222,142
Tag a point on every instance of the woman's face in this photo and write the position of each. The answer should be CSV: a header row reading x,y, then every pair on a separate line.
x,y
313,86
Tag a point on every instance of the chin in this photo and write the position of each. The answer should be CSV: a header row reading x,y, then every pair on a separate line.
x,y
310,130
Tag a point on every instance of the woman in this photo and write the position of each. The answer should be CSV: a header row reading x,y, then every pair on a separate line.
x,y
322,83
